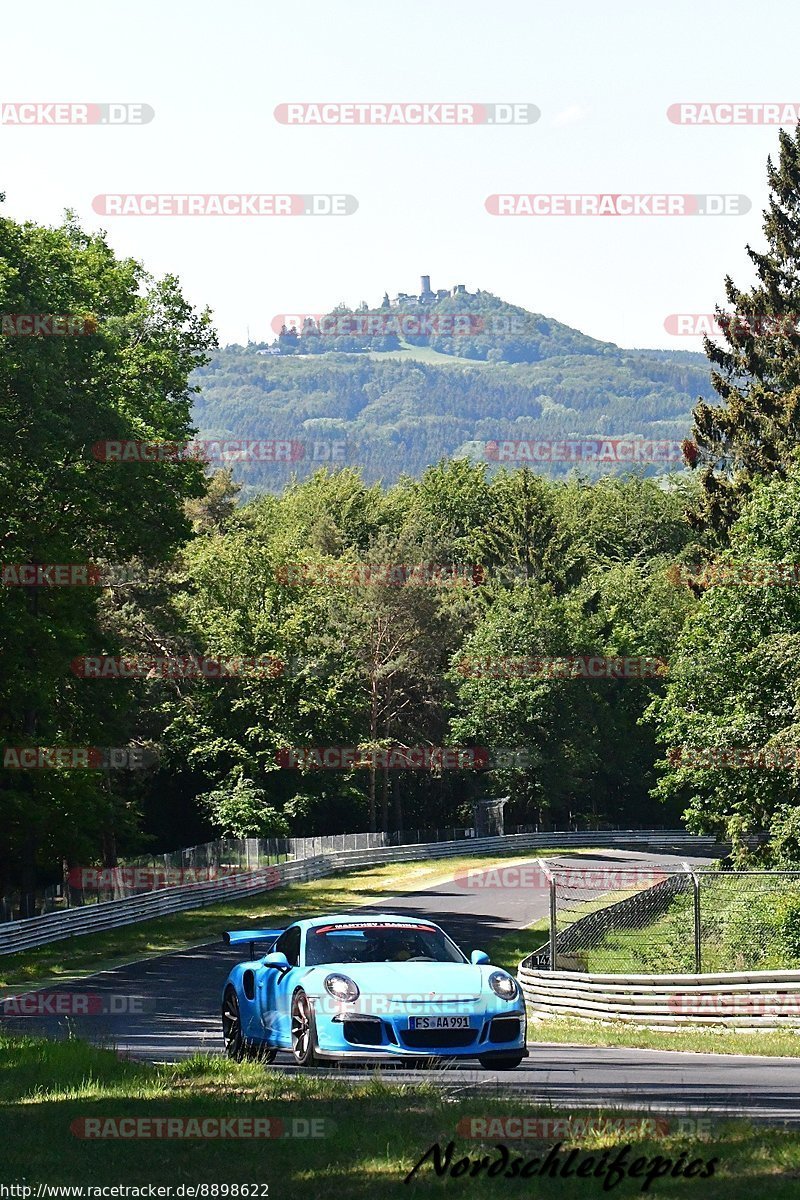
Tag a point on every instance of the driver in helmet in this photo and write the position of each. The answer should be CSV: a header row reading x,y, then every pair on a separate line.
x,y
403,946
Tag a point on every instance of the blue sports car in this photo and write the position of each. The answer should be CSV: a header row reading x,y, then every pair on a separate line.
x,y
376,987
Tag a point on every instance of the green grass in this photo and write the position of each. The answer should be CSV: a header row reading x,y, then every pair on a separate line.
x,y
665,946
78,956
375,1133
642,950
783,1043
646,950
409,353
746,926
509,950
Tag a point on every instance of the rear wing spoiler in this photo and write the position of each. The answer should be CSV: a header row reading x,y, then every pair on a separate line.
x,y
238,937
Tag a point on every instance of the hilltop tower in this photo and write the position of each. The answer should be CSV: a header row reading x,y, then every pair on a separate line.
x,y
426,292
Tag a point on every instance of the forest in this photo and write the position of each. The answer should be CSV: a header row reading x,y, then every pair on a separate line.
x,y
391,416
188,650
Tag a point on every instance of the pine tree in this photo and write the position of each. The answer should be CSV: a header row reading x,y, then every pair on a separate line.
x,y
756,372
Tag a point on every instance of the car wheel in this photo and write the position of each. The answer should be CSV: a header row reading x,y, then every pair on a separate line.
x,y
505,1063
237,1046
304,1031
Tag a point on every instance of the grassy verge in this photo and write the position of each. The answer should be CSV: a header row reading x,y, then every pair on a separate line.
x,y
665,945
374,1134
77,956
746,926
509,950
784,1043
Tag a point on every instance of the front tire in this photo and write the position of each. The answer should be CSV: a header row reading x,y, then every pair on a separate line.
x,y
505,1063
237,1046
303,1031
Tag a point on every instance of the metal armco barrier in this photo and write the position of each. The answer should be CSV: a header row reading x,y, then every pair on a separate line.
x,y
745,1000
95,918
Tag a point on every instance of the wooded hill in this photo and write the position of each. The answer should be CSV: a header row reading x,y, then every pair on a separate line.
x,y
394,405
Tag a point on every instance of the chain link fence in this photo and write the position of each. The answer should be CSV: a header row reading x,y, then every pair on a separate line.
x,y
654,919
222,858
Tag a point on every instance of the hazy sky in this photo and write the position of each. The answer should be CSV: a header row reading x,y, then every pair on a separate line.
x,y
603,77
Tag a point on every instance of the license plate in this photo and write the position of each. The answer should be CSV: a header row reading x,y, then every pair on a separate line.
x,y
438,1023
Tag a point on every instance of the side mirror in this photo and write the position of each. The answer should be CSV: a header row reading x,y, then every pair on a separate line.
x,y
277,960
478,957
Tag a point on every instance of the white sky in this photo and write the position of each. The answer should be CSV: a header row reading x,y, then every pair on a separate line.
x,y
602,75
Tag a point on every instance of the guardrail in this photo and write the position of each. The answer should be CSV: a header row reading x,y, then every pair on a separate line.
x,y
112,914
74,922
746,999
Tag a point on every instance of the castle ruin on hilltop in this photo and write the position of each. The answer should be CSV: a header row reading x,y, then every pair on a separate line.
x,y
426,295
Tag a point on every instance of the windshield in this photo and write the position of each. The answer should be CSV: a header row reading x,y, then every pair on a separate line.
x,y
379,942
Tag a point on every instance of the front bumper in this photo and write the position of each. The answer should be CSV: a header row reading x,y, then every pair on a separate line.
x,y
350,1034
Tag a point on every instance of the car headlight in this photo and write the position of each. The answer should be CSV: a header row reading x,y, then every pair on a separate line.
x,y
503,985
341,987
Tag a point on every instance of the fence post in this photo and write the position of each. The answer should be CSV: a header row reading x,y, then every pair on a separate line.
x,y
551,880
698,944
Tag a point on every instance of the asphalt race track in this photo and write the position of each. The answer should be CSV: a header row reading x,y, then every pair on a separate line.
x,y
172,1011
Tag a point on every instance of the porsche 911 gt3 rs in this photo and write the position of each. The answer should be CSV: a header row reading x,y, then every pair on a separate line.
x,y
378,987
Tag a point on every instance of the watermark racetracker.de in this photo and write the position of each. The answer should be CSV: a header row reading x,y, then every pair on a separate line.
x,y
54,1003
199,668
226,450
408,323
615,204
734,758
604,450
736,112
146,1128
88,574
526,1127
78,758
224,204
46,325
741,1006
387,113
534,876
151,879
584,666
741,574
50,575
49,113
402,758
393,758
187,667
719,324
401,324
